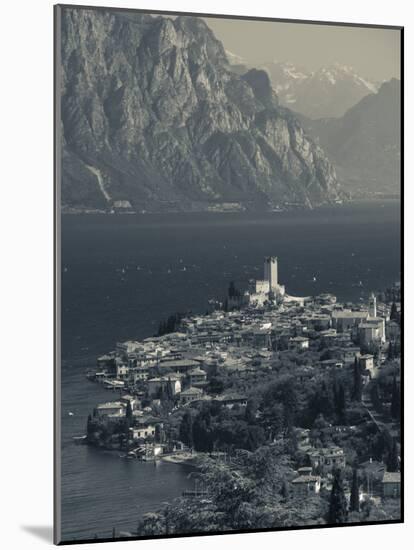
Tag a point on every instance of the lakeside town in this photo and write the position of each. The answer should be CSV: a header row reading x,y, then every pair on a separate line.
x,y
287,407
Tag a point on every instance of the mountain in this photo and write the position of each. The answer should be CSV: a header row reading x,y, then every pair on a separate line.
x,y
153,118
328,92
364,144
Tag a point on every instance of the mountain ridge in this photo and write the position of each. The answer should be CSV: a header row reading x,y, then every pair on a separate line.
x,y
364,144
327,92
152,116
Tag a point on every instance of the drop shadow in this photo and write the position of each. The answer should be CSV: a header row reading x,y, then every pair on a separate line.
x,y
43,532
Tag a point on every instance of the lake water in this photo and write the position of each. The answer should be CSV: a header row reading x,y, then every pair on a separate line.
x,y
122,274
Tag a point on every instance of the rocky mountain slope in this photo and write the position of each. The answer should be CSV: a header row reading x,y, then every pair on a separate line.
x,y
364,144
153,116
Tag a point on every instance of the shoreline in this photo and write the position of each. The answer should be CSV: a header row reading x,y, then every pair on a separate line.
x,y
185,459
390,197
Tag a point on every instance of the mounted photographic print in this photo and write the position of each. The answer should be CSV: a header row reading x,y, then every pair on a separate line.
x,y
228,270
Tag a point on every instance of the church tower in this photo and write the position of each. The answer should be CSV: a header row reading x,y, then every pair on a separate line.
x,y
372,309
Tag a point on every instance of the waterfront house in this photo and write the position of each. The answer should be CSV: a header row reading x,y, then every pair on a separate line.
x,y
143,429
122,370
113,384
110,408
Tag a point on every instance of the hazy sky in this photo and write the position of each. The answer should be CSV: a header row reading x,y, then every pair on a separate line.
x,y
374,53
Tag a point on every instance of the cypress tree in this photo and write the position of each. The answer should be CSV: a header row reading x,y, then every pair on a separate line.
x,y
395,400
375,398
340,401
129,415
394,312
354,502
186,429
392,458
169,390
357,389
338,512
284,491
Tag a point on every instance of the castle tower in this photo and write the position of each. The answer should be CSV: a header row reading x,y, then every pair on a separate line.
x,y
372,308
270,271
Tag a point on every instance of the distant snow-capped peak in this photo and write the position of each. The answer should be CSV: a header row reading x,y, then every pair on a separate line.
x,y
337,72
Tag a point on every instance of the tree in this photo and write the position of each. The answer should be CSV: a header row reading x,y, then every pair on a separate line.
x,y
161,329
152,523
357,387
233,291
339,401
394,312
216,385
395,400
375,398
170,325
129,414
320,403
169,393
250,412
186,429
354,501
202,432
338,512
159,434
284,491
393,461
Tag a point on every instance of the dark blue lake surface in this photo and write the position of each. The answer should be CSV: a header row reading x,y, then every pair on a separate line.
x,y
122,274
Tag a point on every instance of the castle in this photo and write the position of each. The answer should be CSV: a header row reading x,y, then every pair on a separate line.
x,y
268,287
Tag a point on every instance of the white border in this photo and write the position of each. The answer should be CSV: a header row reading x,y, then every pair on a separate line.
x,y
26,273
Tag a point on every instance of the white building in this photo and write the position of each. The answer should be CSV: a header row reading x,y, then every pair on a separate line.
x,y
110,408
